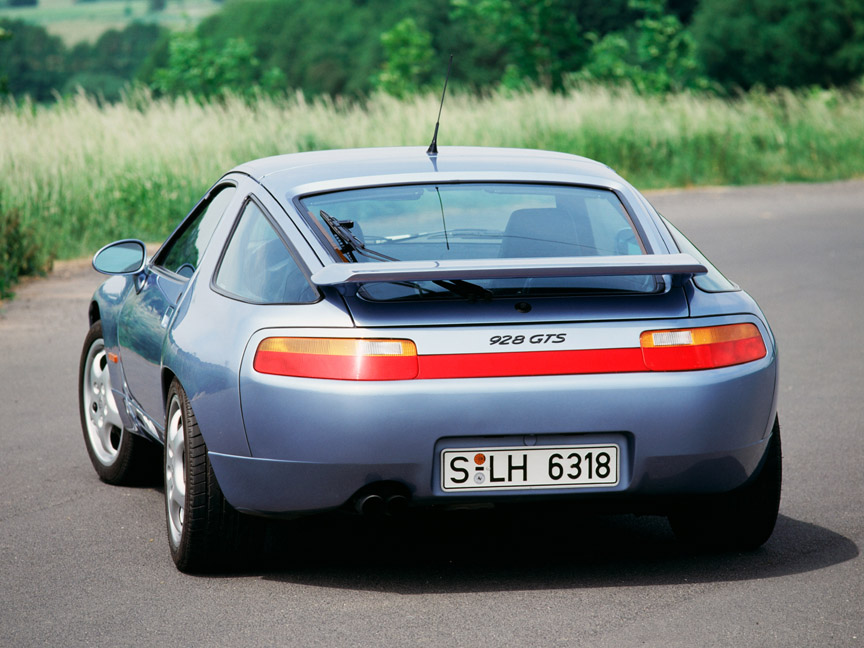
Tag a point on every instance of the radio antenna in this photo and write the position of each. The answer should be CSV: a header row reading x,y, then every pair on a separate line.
x,y
433,147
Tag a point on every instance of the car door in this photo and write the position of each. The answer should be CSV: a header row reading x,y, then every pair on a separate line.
x,y
146,316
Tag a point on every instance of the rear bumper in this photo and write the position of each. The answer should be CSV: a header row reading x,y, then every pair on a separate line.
x,y
278,487
315,443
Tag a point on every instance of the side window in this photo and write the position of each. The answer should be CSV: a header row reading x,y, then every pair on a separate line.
x,y
257,267
182,254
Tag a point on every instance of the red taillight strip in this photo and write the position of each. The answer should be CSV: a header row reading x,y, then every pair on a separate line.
x,y
531,363
372,359
307,365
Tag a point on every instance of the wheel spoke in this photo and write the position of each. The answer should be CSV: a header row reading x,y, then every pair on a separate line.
x,y
112,413
98,366
178,498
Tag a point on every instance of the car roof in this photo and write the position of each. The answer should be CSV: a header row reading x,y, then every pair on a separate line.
x,y
319,170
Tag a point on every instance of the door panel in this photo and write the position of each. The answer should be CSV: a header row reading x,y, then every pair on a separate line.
x,y
144,323
146,315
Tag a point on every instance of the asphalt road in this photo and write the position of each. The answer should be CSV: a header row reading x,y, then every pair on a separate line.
x,y
86,564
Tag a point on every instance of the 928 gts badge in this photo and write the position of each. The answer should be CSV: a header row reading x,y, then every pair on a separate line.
x,y
537,338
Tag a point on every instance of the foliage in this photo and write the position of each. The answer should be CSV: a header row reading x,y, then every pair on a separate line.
x,y
31,61
538,41
106,67
409,59
336,47
331,47
350,48
657,56
683,9
5,34
204,71
20,253
34,63
776,43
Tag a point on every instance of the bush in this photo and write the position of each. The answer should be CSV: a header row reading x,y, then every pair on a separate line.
x,y
410,59
205,71
20,252
781,43
656,55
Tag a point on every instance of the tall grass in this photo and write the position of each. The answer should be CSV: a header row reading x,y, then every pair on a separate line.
x,y
78,174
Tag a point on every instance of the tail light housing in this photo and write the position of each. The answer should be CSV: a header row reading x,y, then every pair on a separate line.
x,y
701,348
337,358
685,349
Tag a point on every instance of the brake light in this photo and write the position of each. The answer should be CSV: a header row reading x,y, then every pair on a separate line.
x,y
701,348
337,358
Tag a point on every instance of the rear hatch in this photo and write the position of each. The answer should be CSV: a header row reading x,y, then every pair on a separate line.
x,y
512,259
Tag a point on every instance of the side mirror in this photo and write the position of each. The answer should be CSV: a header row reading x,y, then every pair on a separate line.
x,y
121,257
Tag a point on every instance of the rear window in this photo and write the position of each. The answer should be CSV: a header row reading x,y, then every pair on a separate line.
x,y
482,221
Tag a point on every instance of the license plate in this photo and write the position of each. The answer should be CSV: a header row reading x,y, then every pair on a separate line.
x,y
521,467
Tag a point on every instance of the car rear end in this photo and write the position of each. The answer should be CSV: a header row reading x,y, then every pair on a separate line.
x,y
656,432
511,340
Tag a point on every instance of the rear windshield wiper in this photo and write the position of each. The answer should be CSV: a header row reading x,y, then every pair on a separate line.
x,y
464,288
348,245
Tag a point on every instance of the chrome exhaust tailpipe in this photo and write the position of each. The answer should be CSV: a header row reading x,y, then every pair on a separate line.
x,y
370,505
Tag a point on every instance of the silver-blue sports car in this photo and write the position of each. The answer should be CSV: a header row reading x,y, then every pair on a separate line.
x,y
373,330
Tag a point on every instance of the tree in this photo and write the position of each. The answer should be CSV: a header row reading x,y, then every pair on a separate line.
x,y
331,47
781,42
409,59
31,61
5,34
657,55
682,9
203,70
539,41
107,66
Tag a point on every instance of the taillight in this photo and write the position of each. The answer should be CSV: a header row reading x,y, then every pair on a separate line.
x,y
337,358
701,348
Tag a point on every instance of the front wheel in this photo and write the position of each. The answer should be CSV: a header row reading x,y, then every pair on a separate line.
x,y
204,531
742,520
119,456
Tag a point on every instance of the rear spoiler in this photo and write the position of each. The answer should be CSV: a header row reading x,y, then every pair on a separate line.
x,y
681,265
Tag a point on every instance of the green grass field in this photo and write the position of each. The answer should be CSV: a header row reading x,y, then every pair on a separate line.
x,y
76,175
75,22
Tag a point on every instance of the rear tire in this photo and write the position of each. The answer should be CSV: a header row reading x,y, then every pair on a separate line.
x,y
205,532
742,520
118,455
